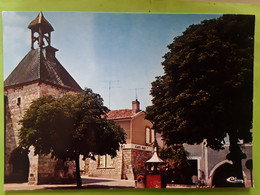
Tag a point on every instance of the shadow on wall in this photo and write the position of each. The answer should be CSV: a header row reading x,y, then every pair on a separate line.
x,y
20,166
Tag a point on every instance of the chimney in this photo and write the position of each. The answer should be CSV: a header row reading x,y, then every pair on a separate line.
x,y
135,106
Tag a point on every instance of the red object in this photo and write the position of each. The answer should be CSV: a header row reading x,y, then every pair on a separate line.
x,y
153,181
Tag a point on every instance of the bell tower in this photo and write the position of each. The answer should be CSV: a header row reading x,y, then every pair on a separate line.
x,y
40,31
39,73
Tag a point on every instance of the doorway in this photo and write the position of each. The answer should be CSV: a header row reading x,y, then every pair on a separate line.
x,y
20,166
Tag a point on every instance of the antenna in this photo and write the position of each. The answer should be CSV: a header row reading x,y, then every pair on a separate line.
x,y
136,97
109,89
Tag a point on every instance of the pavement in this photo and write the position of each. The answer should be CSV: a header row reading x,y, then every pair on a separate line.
x,y
87,183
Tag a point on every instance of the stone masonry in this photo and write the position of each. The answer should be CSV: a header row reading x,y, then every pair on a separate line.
x,y
39,73
14,113
122,165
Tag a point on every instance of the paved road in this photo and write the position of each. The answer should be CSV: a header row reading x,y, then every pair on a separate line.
x,y
87,183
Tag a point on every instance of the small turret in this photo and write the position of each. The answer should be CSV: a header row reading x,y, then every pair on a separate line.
x,y
40,31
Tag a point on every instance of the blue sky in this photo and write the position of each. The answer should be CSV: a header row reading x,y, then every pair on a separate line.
x,y
95,48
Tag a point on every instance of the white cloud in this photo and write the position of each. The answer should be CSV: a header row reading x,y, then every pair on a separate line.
x,y
14,18
16,38
14,29
14,34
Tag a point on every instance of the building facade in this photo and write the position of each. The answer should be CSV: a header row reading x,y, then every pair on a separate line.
x,y
39,73
211,167
138,147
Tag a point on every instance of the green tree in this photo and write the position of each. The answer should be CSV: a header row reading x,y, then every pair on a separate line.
x,y
175,155
70,126
206,91
176,158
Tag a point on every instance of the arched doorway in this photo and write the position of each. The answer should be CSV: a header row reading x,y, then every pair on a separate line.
x,y
225,176
20,165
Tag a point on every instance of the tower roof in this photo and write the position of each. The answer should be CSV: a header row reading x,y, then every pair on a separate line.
x,y
40,21
41,66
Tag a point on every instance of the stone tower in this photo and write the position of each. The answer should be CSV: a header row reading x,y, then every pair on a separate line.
x,y
39,73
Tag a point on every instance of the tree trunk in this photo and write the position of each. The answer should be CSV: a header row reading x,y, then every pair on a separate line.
x,y
236,155
78,178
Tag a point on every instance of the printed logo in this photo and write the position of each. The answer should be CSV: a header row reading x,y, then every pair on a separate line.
x,y
234,180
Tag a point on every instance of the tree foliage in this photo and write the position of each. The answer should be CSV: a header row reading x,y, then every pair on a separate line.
x,y
70,126
178,167
175,156
207,89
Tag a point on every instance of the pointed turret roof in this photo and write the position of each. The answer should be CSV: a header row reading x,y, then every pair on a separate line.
x,y
40,66
40,21
155,158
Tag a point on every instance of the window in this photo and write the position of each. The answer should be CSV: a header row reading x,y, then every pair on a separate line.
x,y
108,161
147,135
18,101
152,135
105,161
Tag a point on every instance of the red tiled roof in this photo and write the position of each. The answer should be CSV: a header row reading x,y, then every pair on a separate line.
x,y
120,114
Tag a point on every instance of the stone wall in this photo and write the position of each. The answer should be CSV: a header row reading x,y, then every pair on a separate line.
x,y
139,156
14,112
93,168
17,101
127,171
34,167
123,164
56,92
46,169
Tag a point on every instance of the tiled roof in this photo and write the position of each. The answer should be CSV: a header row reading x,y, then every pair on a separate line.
x,y
36,66
121,114
40,20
